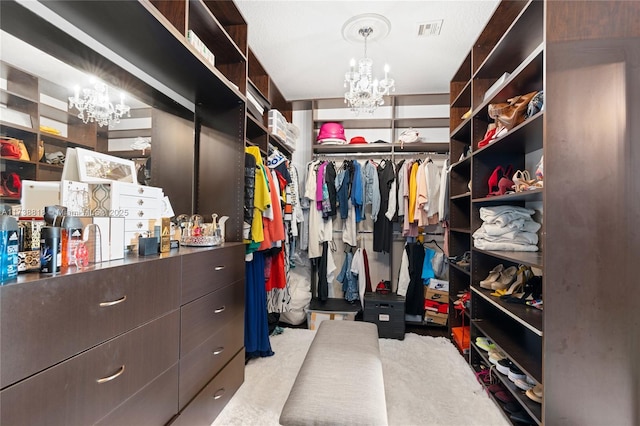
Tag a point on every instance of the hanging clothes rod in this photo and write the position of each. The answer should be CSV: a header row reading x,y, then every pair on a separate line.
x,y
378,154
352,154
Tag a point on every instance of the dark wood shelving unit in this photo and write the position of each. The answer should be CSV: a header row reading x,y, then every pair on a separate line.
x,y
511,42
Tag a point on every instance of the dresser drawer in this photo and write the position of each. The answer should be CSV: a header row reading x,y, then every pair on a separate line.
x,y
132,189
205,361
209,403
85,388
210,270
141,213
140,225
203,317
51,320
154,405
138,202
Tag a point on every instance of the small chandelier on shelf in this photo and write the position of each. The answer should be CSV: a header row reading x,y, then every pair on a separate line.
x,y
95,105
366,93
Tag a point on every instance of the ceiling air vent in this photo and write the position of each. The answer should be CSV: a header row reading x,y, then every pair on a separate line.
x,y
429,29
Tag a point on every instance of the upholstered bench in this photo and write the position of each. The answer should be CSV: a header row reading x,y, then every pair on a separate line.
x,y
340,381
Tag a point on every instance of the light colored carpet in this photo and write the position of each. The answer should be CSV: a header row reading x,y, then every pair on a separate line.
x,y
427,382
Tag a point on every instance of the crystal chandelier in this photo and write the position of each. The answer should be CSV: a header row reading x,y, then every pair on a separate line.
x,y
366,93
95,105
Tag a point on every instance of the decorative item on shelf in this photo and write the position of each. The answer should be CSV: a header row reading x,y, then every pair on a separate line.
x,y
365,92
197,233
51,130
201,47
408,136
331,134
357,140
14,148
95,105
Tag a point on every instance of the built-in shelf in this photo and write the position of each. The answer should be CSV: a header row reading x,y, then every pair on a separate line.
x,y
528,316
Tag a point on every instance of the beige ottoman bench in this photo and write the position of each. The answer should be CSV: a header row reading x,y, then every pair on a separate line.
x,y
340,381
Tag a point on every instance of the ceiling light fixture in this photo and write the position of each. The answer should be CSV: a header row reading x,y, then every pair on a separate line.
x,y
95,105
366,93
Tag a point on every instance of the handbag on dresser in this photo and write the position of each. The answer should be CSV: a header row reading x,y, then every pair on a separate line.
x,y
512,112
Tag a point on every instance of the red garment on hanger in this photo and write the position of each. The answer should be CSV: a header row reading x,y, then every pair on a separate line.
x,y
277,277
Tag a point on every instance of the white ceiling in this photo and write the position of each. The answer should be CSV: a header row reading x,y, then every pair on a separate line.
x,y
300,43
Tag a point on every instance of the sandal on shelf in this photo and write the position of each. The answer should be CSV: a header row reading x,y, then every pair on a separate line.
x,y
506,278
521,180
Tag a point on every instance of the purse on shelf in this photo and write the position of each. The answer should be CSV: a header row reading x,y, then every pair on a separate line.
x,y
14,148
10,148
512,112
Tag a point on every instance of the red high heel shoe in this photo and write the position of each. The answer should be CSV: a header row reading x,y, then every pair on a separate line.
x,y
488,136
494,179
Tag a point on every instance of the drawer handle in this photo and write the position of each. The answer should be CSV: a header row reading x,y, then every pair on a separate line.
x,y
113,302
140,202
139,225
113,376
140,190
219,393
219,268
219,310
140,213
218,351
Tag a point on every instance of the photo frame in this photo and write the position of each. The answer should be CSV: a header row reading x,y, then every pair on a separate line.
x,y
96,167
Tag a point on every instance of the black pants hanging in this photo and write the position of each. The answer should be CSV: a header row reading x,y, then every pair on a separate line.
x,y
323,285
414,304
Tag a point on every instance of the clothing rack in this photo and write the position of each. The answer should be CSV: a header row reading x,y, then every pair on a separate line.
x,y
438,155
351,154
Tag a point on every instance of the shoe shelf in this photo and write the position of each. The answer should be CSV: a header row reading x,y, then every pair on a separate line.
x,y
526,315
522,346
460,268
531,407
527,258
522,139
531,195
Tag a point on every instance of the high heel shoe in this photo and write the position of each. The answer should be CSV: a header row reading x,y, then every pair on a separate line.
x,y
522,276
506,278
494,274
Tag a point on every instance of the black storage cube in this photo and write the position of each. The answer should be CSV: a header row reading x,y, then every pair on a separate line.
x,y
387,312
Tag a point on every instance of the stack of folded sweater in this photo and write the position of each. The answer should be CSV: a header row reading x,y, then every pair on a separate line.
x,y
506,228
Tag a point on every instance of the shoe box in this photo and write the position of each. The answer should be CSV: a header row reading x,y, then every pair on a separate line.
x,y
436,306
461,337
387,312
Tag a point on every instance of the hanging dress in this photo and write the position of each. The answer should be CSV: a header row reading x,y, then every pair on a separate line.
x,y
256,324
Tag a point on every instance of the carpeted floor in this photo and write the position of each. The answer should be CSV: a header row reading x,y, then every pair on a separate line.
x,y
427,382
